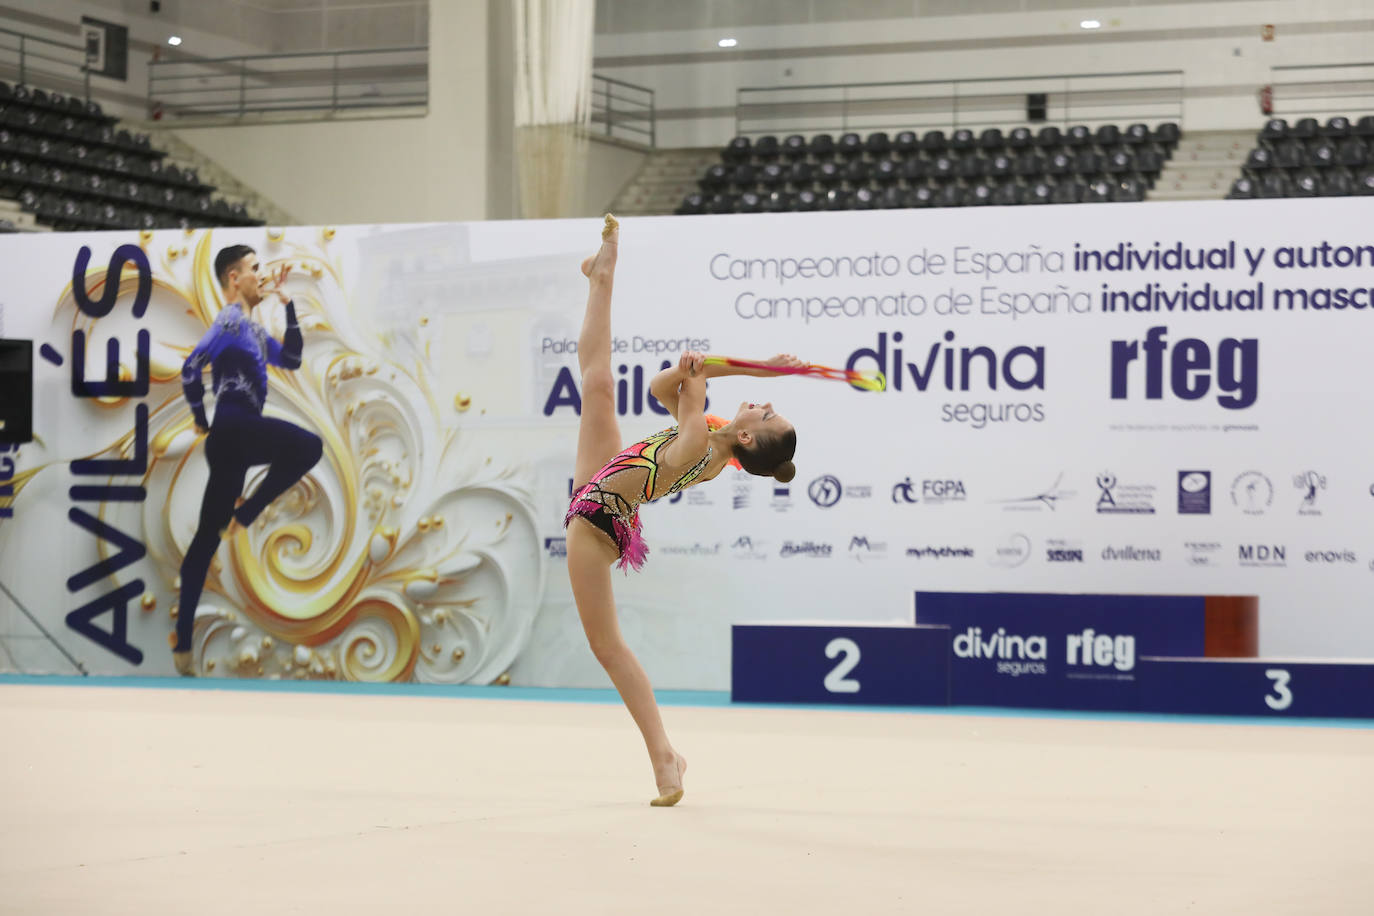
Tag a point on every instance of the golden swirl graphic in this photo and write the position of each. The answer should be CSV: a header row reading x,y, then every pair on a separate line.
x,y
399,556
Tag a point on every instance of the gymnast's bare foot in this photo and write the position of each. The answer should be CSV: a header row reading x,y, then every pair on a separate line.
x,y
605,258
669,779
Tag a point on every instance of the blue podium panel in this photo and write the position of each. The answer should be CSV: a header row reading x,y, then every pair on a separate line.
x,y
849,664
1059,651
1257,687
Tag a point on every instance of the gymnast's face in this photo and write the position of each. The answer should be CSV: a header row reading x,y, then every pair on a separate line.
x,y
246,281
757,418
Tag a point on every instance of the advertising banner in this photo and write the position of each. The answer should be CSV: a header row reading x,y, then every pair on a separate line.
x,y
1156,399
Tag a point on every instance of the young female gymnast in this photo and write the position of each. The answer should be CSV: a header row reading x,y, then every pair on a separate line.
x,y
238,351
610,483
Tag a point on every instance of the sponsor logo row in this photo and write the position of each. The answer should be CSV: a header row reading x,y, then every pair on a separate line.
x,y
1014,550
1191,492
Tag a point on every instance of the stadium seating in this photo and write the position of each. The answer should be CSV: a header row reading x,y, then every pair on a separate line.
x,y
960,168
1309,159
74,168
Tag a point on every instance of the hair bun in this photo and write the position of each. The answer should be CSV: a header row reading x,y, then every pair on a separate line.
x,y
785,472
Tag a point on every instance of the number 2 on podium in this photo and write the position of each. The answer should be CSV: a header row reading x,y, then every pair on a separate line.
x,y
836,681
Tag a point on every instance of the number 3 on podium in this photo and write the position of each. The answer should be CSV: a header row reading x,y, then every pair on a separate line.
x,y
837,681
1282,698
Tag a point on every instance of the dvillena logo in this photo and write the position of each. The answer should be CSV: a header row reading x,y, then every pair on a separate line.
x,y
557,548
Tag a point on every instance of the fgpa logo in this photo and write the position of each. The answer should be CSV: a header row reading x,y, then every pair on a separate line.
x,y
556,548
935,492
904,491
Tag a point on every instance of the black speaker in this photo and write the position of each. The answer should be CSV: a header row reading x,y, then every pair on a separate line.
x,y
1036,103
16,391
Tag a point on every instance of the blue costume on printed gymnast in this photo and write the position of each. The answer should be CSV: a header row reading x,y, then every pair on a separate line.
x,y
238,350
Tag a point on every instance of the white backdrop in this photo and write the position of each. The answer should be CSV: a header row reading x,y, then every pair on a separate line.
x,y
1049,484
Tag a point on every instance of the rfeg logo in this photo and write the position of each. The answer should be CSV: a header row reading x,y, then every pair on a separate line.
x,y
1091,649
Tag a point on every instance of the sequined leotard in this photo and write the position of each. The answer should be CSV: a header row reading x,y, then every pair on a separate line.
x,y
617,515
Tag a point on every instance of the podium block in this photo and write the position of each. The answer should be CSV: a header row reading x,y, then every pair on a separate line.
x,y
842,664
1059,651
1258,687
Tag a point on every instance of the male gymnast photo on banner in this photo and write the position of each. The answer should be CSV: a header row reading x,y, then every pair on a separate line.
x,y
238,350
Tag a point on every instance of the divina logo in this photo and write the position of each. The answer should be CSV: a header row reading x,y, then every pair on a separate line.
x,y
956,369
1016,655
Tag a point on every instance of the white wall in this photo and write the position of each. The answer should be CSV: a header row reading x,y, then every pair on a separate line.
x,y
409,169
1217,45
610,166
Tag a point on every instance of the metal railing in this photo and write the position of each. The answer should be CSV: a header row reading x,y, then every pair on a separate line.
x,y
623,110
301,82
41,61
1319,90
1077,98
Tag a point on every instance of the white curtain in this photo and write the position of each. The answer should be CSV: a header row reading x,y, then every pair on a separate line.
x,y
553,79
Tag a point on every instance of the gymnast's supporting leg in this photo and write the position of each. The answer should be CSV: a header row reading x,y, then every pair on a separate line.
x,y
216,511
590,554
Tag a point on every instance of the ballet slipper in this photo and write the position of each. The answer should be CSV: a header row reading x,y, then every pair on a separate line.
x,y
611,228
671,795
182,662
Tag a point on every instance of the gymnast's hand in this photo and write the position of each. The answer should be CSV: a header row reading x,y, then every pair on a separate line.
x,y
784,361
691,363
279,284
204,431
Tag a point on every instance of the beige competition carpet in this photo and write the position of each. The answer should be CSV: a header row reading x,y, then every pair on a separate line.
x,y
150,801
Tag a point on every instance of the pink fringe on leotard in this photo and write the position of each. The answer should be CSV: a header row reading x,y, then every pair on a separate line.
x,y
628,538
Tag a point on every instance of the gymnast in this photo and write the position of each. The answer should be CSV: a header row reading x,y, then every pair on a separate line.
x,y
238,351
611,482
